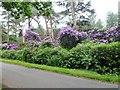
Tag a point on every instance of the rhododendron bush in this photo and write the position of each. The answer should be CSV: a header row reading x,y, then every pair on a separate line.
x,y
110,35
68,37
9,46
101,58
34,39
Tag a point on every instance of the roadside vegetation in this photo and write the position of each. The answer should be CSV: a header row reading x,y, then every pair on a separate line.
x,y
83,47
72,72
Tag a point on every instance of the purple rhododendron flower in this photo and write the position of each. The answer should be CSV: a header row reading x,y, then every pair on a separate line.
x,y
55,42
110,35
68,37
32,37
9,46
70,31
47,38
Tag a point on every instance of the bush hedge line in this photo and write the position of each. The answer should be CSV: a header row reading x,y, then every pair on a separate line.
x,y
102,58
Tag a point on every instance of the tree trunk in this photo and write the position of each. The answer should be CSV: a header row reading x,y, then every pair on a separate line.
x,y
52,32
73,13
29,23
8,28
119,13
1,36
46,26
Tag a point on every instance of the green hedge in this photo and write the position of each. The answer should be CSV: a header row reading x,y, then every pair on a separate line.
x,y
107,57
102,58
12,54
79,56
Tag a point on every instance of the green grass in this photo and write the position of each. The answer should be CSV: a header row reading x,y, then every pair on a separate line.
x,y
73,72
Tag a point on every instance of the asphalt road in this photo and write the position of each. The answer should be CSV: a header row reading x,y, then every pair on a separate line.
x,y
14,76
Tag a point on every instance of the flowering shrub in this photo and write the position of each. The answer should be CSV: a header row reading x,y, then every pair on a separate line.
x,y
112,34
32,37
46,44
102,58
9,46
82,36
69,38
12,46
3,46
55,42
47,38
97,36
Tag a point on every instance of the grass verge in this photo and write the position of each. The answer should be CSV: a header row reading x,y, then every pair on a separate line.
x,y
73,72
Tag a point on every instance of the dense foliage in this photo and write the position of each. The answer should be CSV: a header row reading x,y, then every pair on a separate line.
x,y
69,37
101,54
96,50
102,58
83,12
112,19
17,9
110,35
113,34
34,39
107,57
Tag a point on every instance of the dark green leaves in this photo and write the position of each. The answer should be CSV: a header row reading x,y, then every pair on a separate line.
x,y
25,8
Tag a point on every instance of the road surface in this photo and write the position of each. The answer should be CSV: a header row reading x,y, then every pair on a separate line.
x,y
14,76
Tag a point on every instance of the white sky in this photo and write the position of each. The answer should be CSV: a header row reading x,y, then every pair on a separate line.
x,y
101,7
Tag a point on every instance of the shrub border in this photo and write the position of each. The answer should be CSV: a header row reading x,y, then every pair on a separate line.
x,y
72,72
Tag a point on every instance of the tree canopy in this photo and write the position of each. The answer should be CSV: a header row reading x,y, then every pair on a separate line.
x,y
24,8
83,12
112,20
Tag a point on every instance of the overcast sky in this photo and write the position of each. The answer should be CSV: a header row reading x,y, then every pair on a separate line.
x,y
101,7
